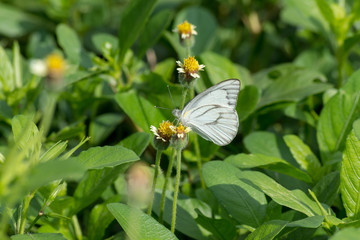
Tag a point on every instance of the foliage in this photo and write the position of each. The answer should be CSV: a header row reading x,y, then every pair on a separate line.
x,y
75,135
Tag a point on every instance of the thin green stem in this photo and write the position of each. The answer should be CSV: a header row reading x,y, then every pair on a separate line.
x,y
176,193
184,94
77,228
157,166
168,173
24,212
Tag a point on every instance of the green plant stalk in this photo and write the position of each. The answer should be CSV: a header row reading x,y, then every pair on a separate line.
x,y
48,113
196,145
24,212
157,166
77,228
177,186
168,173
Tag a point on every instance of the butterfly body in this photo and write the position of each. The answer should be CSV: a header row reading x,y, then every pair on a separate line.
x,y
212,113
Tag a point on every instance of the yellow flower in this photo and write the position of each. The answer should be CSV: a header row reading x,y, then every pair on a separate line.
x,y
164,131
185,30
180,131
55,65
190,68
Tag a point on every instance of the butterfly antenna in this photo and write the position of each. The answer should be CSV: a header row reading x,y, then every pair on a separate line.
x,y
171,96
162,108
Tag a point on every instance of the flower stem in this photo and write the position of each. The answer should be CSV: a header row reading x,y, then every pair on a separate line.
x,y
177,185
168,173
157,165
197,147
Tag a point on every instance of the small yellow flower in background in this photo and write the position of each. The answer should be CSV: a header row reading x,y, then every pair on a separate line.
x,y
180,131
190,68
185,30
164,131
55,65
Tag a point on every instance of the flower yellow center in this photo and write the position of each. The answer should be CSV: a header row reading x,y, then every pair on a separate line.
x,y
55,62
191,65
180,129
165,130
184,28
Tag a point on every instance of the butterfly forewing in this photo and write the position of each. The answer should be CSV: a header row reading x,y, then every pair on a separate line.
x,y
212,113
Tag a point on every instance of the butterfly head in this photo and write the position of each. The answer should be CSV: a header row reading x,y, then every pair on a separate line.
x,y
176,113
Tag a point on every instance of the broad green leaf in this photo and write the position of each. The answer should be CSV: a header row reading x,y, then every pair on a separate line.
x,y
268,230
337,117
7,82
165,68
304,156
292,85
246,161
153,31
102,126
219,68
350,177
269,144
295,112
310,222
295,199
243,202
139,109
70,42
139,225
93,185
15,23
136,142
108,156
185,214
222,228
326,11
305,14
99,219
205,23
39,236
327,189
133,20
247,101
346,234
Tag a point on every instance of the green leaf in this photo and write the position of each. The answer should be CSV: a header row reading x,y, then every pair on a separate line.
x,y
245,161
54,151
346,234
221,228
93,185
132,22
268,230
326,11
100,39
219,68
70,42
103,125
243,202
139,225
205,23
294,111
39,236
136,142
349,177
15,23
108,156
247,101
269,144
154,30
185,214
99,219
310,222
337,117
7,82
139,109
165,68
295,199
17,65
291,84
327,189
304,156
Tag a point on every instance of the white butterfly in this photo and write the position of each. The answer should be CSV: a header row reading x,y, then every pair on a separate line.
x,y
212,114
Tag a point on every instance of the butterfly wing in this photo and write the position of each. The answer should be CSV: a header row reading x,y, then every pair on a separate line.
x,y
224,93
212,113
